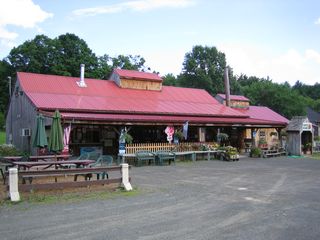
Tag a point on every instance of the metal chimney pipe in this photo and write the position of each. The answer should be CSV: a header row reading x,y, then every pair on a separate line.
x,y
82,83
82,72
227,86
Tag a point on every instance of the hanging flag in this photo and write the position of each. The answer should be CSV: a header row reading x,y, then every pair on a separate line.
x,y
185,130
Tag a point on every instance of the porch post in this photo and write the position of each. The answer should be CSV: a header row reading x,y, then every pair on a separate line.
x,y
253,136
279,136
13,185
202,134
125,176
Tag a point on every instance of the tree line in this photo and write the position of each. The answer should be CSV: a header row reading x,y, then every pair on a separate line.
x,y
202,67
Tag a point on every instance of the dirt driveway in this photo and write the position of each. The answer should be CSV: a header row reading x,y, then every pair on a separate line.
x,y
277,198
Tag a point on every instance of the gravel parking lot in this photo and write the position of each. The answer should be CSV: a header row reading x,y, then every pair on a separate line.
x,y
275,198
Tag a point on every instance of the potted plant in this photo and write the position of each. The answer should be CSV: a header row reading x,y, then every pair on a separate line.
x,y
178,136
263,143
307,148
273,134
222,138
127,138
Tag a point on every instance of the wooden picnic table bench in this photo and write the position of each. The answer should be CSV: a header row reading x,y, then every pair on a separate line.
x,y
75,172
50,157
28,165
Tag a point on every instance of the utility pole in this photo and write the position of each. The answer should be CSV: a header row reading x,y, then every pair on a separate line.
x,y
10,94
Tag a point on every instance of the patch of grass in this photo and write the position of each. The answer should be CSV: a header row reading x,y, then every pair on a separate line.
x,y
2,137
53,198
315,156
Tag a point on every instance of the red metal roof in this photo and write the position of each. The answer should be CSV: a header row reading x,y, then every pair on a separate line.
x,y
263,113
165,119
123,73
49,92
234,97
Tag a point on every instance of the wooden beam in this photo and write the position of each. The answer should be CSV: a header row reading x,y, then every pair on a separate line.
x,y
63,185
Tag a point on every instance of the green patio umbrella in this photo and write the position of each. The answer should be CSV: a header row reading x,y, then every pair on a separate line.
x,y
56,135
40,136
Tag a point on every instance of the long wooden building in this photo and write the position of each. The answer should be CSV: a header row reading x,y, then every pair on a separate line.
x,y
98,109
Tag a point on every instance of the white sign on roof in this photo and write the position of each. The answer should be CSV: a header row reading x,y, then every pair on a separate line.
x,y
307,126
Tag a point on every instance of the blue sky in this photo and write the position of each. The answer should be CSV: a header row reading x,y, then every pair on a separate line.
x,y
279,39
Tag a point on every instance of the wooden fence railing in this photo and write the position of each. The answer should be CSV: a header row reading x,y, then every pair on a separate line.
x,y
153,147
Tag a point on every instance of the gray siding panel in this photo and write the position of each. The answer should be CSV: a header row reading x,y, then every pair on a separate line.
x,y
22,114
294,143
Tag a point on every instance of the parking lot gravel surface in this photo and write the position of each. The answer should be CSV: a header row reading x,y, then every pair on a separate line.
x,y
275,198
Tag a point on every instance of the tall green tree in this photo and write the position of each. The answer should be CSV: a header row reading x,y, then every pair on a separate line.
x,y
278,97
203,67
37,55
104,67
312,91
169,80
6,71
71,51
130,62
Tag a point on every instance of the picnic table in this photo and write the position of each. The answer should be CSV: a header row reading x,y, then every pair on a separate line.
x,y
12,158
38,158
28,165
50,157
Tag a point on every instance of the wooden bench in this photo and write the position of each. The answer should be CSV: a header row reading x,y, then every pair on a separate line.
x,y
273,153
145,156
166,156
30,175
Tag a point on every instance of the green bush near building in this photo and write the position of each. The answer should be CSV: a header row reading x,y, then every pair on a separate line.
x,y
9,150
2,137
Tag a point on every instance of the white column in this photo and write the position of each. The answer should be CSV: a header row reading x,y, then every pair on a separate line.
x,y
125,176
202,134
13,185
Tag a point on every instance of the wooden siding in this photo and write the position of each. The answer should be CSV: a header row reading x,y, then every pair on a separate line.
x,y
21,114
237,104
140,84
294,143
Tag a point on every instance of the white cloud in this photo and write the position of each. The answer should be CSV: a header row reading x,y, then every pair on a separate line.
x,y
21,13
138,5
162,60
290,66
317,21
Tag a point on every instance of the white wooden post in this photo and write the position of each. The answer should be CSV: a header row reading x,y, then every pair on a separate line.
x,y
13,185
125,176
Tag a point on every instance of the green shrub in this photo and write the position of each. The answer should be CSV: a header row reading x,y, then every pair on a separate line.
x,y
262,141
9,150
255,152
2,121
2,137
204,147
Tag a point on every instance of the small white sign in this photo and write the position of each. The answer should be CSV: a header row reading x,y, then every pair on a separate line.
x,y
306,126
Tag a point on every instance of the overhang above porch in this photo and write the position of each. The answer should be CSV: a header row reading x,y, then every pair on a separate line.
x,y
142,119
